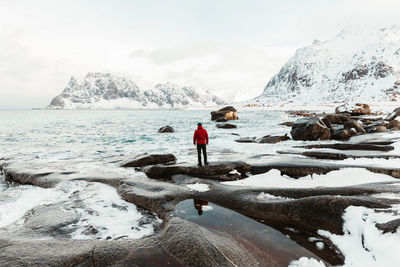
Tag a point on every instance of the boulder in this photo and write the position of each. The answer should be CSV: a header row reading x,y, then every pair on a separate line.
x,y
226,126
310,128
246,140
389,227
376,129
336,119
393,124
354,124
393,115
327,122
145,160
287,123
353,109
342,134
272,139
166,129
226,113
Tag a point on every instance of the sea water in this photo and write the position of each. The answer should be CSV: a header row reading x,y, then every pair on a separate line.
x,y
90,138
98,134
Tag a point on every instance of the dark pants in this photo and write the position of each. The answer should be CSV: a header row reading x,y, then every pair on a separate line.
x,y
199,148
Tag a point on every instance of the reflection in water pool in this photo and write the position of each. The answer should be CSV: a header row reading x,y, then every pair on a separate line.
x,y
268,245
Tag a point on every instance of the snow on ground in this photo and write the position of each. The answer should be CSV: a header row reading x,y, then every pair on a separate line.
x,y
306,262
269,197
199,187
100,207
110,215
362,243
15,202
343,177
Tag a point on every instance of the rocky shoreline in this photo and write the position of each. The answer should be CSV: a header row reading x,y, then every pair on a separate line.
x,y
42,237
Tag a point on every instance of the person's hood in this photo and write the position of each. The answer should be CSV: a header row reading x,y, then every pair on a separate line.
x,y
199,127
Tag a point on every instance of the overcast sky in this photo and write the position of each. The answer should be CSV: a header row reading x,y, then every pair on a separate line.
x,y
220,45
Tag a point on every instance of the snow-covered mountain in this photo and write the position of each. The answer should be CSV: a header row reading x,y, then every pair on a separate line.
x,y
104,90
356,65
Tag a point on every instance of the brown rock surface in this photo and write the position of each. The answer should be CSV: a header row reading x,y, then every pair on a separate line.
x,y
393,124
356,109
226,113
226,126
273,139
166,129
310,129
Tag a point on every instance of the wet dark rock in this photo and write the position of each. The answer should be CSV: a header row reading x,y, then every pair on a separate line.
x,y
354,110
342,135
380,123
226,126
302,114
354,124
51,220
272,139
311,210
197,246
388,171
310,129
153,159
226,113
221,120
90,230
156,196
336,118
288,123
292,169
327,122
337,156
223,171
166,129
389,227
393,114
34,175
50,175
324,155
246,140
393,124
366,118
376,129
350,146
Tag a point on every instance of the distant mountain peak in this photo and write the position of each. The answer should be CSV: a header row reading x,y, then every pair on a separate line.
x,y
105,90
359,64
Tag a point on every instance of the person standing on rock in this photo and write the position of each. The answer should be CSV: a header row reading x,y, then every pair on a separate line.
x,y
200,138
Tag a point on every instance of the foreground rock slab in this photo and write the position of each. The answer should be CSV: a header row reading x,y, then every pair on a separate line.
x,y
153,159
228,171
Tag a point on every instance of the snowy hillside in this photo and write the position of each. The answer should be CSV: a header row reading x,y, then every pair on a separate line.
x,y
356,65
104,90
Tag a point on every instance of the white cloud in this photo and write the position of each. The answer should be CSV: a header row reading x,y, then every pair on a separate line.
x,y
219,45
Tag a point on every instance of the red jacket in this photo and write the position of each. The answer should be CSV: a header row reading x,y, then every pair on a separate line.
x,y
200,136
